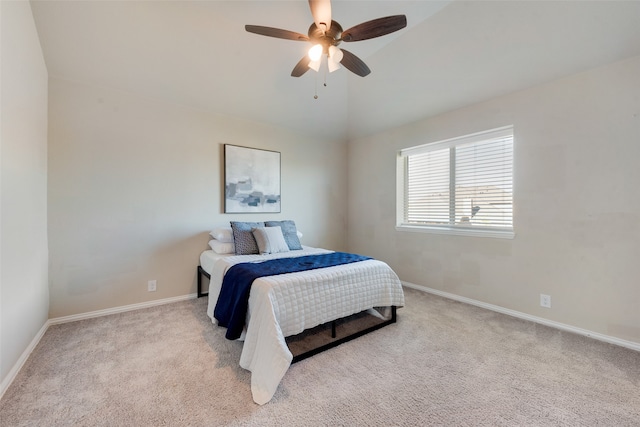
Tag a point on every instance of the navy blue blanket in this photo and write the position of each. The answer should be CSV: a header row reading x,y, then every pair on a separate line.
x,y
233,301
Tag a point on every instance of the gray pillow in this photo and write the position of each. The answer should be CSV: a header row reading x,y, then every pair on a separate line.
x,y
270,240
243,239
289,232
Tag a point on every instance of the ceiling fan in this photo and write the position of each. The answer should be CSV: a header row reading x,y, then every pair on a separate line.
x,y
326,34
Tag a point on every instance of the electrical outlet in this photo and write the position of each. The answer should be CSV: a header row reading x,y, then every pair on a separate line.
x,y
545,300
151,286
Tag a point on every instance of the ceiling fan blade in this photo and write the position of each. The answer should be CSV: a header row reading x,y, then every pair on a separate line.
x,y
375,28
276,32
354,64
301,67
321,12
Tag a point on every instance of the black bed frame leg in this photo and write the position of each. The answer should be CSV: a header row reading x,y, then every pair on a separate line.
x,y
201,273
333,329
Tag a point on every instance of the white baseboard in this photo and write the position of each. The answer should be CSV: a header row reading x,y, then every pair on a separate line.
x,y
562,326
121,309
6,382
73,318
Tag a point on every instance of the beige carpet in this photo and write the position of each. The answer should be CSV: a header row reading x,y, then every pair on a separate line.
x,y
443,363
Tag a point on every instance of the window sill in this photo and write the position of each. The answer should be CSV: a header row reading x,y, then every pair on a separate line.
x,y
457,231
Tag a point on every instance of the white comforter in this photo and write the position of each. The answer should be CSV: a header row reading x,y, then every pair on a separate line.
x,y
284,305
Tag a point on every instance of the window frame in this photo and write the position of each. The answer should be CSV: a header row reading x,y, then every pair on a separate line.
x,y
450,229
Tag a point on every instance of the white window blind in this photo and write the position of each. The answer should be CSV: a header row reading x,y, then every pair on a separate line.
x,y
461,183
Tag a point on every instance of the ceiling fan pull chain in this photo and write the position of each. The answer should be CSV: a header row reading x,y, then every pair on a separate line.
x,y
325,75
315,96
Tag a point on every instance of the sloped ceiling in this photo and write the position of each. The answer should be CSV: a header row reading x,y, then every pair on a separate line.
x,y
451,54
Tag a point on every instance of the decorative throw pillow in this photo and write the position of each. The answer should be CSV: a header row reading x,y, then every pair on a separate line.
x,y
270,240
222,247
289,232
222,234
243,239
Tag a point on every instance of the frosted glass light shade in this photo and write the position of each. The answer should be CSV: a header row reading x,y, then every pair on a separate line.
x,y
315,52
315,65
333,61
332,65
335,54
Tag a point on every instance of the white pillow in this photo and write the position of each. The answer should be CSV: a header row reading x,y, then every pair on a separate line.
x,y
270,240
222,247
299,234
222,234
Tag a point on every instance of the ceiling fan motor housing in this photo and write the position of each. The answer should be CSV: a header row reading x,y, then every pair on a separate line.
x,y
332,37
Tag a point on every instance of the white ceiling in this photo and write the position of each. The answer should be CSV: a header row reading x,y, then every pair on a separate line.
x,y
451,54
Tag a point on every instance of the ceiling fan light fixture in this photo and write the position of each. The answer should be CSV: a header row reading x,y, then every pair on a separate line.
x,y
315,53
335,54
315,65
332,65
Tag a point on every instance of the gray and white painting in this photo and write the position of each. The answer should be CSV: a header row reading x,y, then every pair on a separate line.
x,y
252,180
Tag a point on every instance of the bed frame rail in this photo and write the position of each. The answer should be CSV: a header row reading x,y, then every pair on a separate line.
x,y
324,347
342,340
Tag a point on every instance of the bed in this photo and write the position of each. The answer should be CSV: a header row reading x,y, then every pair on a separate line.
x,y
284,305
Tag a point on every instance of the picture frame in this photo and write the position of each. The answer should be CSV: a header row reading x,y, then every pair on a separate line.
x,y
251,180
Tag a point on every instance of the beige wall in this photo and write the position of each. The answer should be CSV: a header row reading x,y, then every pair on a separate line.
x,y
576,213
24,292
135,187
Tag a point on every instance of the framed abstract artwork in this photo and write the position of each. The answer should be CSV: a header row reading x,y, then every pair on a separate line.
x,y
251,180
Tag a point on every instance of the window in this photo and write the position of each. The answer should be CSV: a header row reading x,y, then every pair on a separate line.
x,y
458,186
